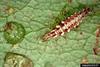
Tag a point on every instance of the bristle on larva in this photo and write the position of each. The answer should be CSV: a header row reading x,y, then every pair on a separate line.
x,y
66,25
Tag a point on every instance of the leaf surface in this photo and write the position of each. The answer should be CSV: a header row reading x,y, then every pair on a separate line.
x,y
39,17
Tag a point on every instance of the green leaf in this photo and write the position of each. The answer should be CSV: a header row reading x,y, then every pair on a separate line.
x,y
39,17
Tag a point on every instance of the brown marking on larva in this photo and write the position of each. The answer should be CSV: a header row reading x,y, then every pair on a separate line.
x,y
68,20
75,24
72,17
71,22
58,31
61,24
72,25
49,35
86,11
80,12
52,34
66,30
69,27
56,28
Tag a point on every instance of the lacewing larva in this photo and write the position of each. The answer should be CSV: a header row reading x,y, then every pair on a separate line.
x,y
67,24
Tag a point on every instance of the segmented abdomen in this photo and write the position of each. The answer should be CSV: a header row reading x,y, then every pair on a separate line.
x,y
66,25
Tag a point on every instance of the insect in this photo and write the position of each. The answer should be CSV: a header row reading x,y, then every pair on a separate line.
x,y
67,24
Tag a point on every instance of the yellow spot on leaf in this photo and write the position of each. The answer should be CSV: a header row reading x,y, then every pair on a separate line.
x,y
84,60
9,10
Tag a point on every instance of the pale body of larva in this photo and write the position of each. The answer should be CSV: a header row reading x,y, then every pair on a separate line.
x,y
68,24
